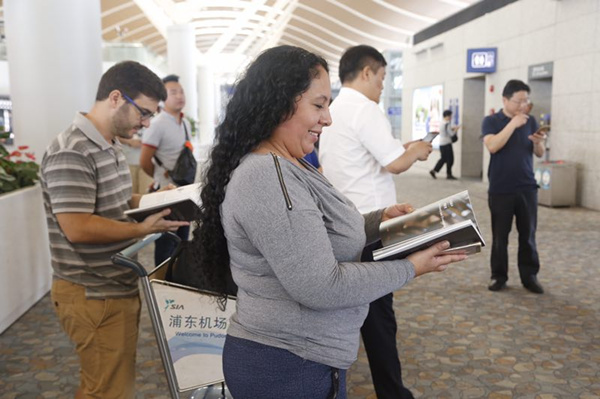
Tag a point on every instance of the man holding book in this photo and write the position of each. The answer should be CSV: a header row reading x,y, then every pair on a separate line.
x,y
359,156
162,143
512,136
87,188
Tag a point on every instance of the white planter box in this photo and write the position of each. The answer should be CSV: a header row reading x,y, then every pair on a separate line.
x,y
26,273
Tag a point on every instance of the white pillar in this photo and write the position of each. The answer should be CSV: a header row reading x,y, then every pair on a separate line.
x,y
206,88
182,52
54,53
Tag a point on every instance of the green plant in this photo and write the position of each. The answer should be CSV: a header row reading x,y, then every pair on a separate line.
x,y
193,124
17,169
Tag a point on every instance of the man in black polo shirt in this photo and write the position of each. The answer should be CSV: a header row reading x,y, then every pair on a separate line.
x,y
511,136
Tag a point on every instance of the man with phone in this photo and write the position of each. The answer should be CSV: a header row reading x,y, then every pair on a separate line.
x,y
359,156
512,136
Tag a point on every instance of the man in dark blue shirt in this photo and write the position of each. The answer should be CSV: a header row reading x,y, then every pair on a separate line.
x,y
512,136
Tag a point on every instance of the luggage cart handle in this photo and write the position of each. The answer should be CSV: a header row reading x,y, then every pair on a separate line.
x,y
125,257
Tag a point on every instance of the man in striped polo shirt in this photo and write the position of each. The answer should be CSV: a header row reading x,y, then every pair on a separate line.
x,y
87,188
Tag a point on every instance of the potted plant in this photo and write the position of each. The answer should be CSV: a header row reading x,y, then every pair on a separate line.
x,y
24,246
17,168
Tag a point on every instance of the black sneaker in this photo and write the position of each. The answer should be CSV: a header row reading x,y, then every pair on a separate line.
x,y
497,285
451,178
432,173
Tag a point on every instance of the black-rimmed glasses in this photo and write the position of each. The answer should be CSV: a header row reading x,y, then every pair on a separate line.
x,y
145,114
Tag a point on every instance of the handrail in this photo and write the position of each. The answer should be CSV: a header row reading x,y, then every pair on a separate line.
x,y
125,257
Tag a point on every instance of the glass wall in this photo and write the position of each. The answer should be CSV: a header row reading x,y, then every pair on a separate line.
x,y
391,99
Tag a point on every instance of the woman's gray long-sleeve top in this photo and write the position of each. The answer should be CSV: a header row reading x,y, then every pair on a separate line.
x,y
301,287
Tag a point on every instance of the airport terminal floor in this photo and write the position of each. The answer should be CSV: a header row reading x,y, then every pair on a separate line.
x,y
456,338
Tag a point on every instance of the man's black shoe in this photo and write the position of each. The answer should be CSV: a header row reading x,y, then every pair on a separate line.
x,y
451,178
534,285
496,285
432,173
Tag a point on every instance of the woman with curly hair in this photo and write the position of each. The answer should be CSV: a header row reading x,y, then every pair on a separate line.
x,y
289,239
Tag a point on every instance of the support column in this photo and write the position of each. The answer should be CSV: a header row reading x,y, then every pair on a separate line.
x,y
206,88
54,53
181,53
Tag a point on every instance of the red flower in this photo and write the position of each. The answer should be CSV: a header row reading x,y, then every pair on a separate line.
x,y
15,154
23,147
30,155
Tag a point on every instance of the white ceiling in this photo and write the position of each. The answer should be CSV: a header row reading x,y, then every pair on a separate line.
x,y
243,28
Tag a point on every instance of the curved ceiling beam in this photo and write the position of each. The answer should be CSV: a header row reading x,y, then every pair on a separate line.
x,y
155,14
316,38
235,27
325,30
267,23
333,63
220,30
122,23
288,7
207,10
199,24
118,8
371,20
402,11
311,45
150,36
456,3
393,43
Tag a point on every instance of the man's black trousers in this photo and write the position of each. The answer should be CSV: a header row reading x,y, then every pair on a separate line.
x,y
523,206
379,336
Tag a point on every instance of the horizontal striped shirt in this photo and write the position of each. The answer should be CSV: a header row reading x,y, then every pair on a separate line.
x,y
82,173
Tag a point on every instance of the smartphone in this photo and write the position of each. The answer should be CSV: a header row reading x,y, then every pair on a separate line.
x,y
544,129
430,136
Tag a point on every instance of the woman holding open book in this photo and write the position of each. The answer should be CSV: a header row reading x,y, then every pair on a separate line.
x,y
290,240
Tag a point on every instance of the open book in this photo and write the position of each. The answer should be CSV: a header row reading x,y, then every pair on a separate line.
x,y
183,202
451,219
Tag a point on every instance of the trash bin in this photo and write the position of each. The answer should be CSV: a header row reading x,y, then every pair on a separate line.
x,y
557,181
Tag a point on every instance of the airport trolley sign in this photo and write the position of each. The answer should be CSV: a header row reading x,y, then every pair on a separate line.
x,y
482,60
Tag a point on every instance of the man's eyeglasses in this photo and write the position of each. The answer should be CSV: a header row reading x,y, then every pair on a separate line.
x,y
145,114
523,102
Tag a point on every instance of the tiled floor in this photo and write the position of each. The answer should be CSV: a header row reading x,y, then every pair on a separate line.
x,y
456,338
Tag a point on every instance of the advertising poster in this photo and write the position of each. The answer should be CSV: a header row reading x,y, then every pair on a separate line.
x,y
427,110
195,330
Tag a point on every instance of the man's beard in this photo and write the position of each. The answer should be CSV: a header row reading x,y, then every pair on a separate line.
x,y
121,125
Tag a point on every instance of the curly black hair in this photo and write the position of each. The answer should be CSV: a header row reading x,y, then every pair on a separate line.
x,y
265,97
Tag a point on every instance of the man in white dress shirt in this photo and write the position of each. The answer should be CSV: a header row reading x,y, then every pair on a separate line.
x,y
359,156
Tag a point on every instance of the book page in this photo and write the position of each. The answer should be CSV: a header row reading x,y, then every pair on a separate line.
x,y
437,215
191,191
460,234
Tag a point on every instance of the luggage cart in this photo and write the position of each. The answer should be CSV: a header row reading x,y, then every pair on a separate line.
x,y
189,326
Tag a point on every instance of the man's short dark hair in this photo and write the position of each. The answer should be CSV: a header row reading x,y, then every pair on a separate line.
x,y
132,79
356,58
447,113
513,86
170,78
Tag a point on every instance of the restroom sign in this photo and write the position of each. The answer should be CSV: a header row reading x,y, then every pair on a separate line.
x,y
482,60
